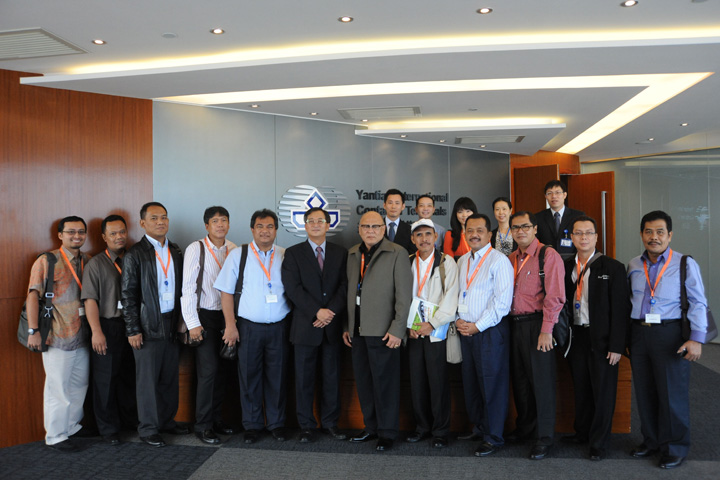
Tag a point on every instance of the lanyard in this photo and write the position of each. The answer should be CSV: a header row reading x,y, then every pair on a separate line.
x,y
503,237
464,242
272,256
213,254
517,259
580,279
72,270
164,267
427,271
114,264
477,268
657,280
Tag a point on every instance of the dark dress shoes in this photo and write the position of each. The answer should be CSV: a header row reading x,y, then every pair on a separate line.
x,y
515,437
472,437
65,446
112,439
208,436
485,449
383,444
642,451
85,432
440,442
306,436
178,429
251,436
539,452
335,433
596,454
364,436
222,428
278,434
671,461
417,436
154,440
576,439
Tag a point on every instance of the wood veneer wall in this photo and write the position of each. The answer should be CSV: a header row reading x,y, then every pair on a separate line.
x,y
61,153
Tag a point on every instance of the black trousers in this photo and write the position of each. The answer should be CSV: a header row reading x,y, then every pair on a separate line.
x,y
212,371
429,385
113,376
262,371
307,358
377,378
157,383
533,380
662,386
486,380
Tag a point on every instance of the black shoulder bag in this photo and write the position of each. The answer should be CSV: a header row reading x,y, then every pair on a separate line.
x,y
562,331
712,330
45,314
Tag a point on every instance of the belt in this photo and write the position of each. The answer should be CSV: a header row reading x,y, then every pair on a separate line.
x,y
261,323
526,317
661,324
168,315
114,319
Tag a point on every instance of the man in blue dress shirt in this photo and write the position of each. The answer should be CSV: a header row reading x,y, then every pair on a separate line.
x,y
659,354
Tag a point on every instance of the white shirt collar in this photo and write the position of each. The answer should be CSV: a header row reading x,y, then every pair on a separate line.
x,y
155,243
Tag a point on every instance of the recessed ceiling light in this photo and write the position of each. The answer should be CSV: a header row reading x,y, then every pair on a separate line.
x,y
442,141
403,136
98,41
345,19
484,11
629,3
472,109
683,124
254,105
169,35
365,120
313,114
650,139
217,31
482,146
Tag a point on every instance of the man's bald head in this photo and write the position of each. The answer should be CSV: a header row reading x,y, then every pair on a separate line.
x,y
371,228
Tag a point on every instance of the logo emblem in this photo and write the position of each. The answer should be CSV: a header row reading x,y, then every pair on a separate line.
x,y
301,198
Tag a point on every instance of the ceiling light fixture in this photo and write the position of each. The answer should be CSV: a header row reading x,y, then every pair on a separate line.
x,y
217,31
482,146
254,105
629,3
403,136
169,35
313,113
98,41
650,139
484,11
365,120
442,140
683,124
345,19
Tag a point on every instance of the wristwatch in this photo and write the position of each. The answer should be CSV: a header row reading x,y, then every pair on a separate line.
x,y
33,331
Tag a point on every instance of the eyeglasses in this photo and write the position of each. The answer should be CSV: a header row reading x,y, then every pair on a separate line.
x,y
72,233
583,234
371,227
525,228
315,221
260,226
554,193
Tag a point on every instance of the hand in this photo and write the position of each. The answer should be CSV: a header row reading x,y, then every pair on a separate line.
x,y
614,358
392,340
413,334
196,334
231,335
694,350
466,328
325,315
545,342
34,341
99,343
425,329
347,339
136,341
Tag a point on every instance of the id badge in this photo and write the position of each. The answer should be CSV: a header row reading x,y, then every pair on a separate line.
x,y
357,300
270,298
81,311
119,307
652,318
566,242
462,308
168,296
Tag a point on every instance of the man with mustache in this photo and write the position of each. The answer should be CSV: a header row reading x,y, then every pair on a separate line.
x,y
660,355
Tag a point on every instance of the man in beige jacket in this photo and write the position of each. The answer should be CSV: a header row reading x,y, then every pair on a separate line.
x,y
435,284
379,293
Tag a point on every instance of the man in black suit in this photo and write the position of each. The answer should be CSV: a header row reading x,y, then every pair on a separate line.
x,y
597,289
554,223
396,230
314,277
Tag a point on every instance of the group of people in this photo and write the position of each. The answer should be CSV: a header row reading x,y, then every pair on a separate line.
x,y
501,290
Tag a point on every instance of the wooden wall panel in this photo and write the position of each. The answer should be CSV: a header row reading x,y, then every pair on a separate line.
x,y
61,153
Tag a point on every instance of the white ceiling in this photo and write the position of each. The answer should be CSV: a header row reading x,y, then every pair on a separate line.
x,y
279,44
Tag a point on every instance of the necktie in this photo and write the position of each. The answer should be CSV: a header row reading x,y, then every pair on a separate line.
x,y
557,221
391,234
320,257
118,262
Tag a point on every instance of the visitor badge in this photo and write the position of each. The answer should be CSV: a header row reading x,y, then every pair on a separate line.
x,y
168,296
652,318
462,308
357,300
119,307
81,311
565,242
270,298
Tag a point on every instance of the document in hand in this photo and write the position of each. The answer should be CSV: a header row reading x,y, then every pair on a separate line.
x,y
422,311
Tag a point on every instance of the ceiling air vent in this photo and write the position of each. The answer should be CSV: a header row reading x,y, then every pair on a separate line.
x,y
379,113
33,42
486,139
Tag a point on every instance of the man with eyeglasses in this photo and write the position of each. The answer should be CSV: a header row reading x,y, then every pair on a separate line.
x,y
315,280
378,301
113,365
534,312
66,359
261,329
597,290
554,223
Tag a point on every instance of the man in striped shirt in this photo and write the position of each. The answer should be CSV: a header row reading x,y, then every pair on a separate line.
x,y
204,318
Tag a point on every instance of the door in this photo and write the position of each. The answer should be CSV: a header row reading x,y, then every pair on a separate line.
x,y
594,194
529,187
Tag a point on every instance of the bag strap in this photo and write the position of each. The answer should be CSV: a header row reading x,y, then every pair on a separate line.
x,y
49,285
541,262
241,275
684,304
201,262
442,272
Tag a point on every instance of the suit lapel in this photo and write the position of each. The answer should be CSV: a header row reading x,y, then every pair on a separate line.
x,y
312,258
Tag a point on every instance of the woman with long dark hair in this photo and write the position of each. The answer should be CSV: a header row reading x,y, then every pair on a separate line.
x,y
501,239
455,243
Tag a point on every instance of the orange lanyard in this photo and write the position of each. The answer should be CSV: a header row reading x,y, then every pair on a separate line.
x,y
362,267
213,254
114,264
272,256
580,277
517,271
72,270
657,280
164,267
464,242
427,272
477,268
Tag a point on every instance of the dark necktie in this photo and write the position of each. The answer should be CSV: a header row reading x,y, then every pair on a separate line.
x,y
557,221
118,262
321,263
391,233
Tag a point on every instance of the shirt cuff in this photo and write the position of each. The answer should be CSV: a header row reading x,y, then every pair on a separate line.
x,y
547,326
697,336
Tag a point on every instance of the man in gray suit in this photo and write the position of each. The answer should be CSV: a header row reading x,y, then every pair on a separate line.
x,y
379,295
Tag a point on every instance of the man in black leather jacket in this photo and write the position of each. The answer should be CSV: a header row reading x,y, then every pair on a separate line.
x,y
151,288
